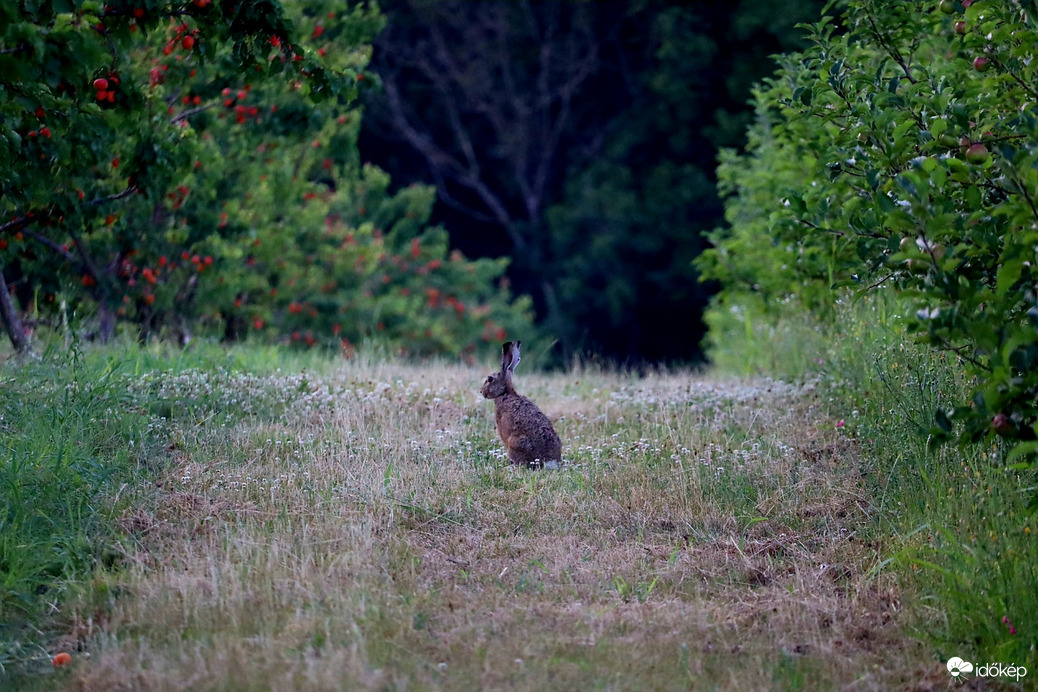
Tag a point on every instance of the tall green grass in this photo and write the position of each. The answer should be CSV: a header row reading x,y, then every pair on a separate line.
x,y
967,543
76,430
69,440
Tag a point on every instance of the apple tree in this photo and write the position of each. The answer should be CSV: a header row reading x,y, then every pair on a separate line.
x,y
155,151
88,139
900,153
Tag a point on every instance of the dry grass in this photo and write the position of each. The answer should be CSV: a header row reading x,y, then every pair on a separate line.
x,y
702,534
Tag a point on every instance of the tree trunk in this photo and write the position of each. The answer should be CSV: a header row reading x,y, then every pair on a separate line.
x,y
106,318
12,322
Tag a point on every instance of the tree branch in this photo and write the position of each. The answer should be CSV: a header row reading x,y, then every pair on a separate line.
x,y
12,321
29,218
111,198
503,79
184,115
891,49
444,166
15,49
53,245
16,224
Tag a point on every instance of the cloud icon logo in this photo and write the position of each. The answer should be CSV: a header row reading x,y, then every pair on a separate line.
x,y
956,666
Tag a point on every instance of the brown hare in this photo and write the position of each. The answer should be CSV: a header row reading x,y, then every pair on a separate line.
x,y
527,433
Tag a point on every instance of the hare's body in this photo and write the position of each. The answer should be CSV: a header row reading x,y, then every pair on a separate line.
x,y
527,433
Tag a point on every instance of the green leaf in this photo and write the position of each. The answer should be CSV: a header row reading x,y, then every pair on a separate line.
x,y
901,130
1008,275
973,198
1024,449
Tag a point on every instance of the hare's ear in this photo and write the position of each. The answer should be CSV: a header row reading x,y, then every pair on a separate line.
x,y
506,355
509,356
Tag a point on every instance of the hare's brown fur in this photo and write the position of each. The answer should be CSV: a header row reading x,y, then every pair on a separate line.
x,y
527,433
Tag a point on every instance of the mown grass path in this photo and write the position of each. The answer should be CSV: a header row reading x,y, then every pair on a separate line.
x,y
358,528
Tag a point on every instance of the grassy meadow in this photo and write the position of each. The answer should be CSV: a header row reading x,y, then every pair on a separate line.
x,y
253,519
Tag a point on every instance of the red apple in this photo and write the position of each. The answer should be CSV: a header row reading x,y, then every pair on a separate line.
x,y
960,28
977,154
101,84
981,64
1001,424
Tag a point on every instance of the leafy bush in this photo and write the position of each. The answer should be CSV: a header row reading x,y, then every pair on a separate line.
x,y
192,168
900,152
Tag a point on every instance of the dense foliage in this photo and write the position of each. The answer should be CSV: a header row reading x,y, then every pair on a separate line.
x,y
579,139
191,168
900,154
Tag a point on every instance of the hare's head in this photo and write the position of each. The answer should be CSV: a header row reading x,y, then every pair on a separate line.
x,y
494,387
500,383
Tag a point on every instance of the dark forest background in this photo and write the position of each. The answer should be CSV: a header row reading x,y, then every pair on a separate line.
x,y
580,139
